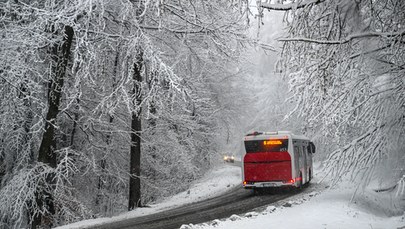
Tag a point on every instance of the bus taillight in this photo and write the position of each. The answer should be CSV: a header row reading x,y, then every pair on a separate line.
x,y
291,181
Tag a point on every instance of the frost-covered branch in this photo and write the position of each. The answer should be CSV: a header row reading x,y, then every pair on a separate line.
x,y
397,35
288,6
348,85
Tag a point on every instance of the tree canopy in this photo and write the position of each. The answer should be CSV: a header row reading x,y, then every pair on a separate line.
x,y
344,61
68,95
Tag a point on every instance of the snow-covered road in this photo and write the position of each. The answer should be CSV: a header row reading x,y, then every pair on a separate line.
x,y
218,201
235,200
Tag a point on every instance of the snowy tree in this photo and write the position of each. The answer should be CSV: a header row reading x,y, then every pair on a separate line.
x,y
344,62
41,40
77,80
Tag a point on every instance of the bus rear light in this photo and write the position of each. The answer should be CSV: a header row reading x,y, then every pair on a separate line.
x,y
244,182
272,142
291,181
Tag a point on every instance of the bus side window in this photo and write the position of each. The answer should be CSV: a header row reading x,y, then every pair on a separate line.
x,y
305,151
296,153
308,154
300,157
304,155
296,157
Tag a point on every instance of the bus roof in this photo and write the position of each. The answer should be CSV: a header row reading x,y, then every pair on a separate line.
x,y
259,135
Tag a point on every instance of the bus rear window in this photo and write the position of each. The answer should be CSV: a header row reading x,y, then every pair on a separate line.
x,y
269,145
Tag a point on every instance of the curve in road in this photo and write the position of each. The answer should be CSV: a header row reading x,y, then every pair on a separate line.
x,y
235,201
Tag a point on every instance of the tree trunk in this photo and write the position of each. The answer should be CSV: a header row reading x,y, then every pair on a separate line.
x,y
135,152
60,56
103,163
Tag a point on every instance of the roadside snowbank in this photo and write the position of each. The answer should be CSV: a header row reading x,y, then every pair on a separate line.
x,y
327,208
214,183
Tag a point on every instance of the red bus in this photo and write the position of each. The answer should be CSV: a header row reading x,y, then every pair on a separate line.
x,y
277,159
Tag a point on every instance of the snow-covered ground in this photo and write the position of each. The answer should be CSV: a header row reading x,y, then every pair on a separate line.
x,y
327,208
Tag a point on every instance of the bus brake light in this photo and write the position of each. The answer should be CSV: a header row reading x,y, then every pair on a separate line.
x,y
291,181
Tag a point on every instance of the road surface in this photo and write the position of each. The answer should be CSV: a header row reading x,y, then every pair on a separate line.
x,y
236,201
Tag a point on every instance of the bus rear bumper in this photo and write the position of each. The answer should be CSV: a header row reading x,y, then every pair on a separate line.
x,y
250,185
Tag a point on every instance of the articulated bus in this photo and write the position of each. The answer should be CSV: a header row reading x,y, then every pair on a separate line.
x,y
277,159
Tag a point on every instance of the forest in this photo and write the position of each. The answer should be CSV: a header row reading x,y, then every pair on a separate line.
x,y
107,106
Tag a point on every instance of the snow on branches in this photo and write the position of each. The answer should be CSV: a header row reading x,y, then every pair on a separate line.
x,y
78,57
345,64
20,192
